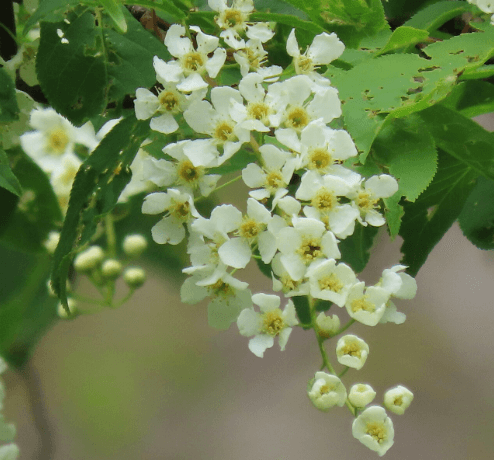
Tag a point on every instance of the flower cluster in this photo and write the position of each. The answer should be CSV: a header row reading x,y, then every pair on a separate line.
x,y
305,197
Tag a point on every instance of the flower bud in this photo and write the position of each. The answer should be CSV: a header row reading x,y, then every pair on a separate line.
x,y
398,399
89,259
134,277
327,325
62,312
111,269
51,242
361,394
134,245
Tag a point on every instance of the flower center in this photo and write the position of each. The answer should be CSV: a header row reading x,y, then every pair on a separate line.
x,y
377,431
331,282
250,228
233,19
297,118
274,180
57,141
220,288
272,322
324,200
192,62
363,304
320,159
258,111
304,64
352,349
365,201
187,172
224,132
181,210
310,249
169,101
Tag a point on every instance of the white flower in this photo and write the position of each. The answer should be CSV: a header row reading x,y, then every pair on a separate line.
x,y
191,63
234,17
284,282
327,391
298,103
323,193
179,210
215,121
366,198
62,178
487,6
361,394
352,351
229,297
268,324
397,283
252,57
327,325
273,177
366,308
331,281
54,138
304,243
184,171
374,429
324,49
398,399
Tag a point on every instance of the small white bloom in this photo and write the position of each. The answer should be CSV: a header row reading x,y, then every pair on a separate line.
x,y
374,429
327,325
352,351
268,324
398,283
398,399
324,49
284,282
233,17
366,198
327,391
331,281
366,308
361,394
252,58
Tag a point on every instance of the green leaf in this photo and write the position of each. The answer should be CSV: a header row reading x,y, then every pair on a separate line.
x,y
302,308
9,110
394,213
7,177
165,6
49,10
114,10
355,248
403,37
72,75
409,152
427,219
462,138
288,20
471,98
95,191
132,58
26,309
477,216
37,212
236,163
434,16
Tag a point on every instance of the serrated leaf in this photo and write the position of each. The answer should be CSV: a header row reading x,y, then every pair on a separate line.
x,y
27,309
434,16
9,110
302,308
403,37
95,191
73,81
409,152
7,178
114,10
393,213
477,216
37,211
132,58
355,248
462,138
471,98
427,219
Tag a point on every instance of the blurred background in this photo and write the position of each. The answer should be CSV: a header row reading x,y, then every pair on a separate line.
x,y
153,381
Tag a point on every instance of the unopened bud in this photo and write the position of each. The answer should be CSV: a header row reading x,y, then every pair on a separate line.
x,y
62,312
89,259
361,394
111,269
134,245
134,277
51,242
327,325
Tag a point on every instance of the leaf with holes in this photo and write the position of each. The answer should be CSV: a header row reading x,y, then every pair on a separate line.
x,y
70,69
96,189
427,219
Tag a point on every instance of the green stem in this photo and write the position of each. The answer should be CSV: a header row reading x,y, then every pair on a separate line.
x,y
111,239
345,327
